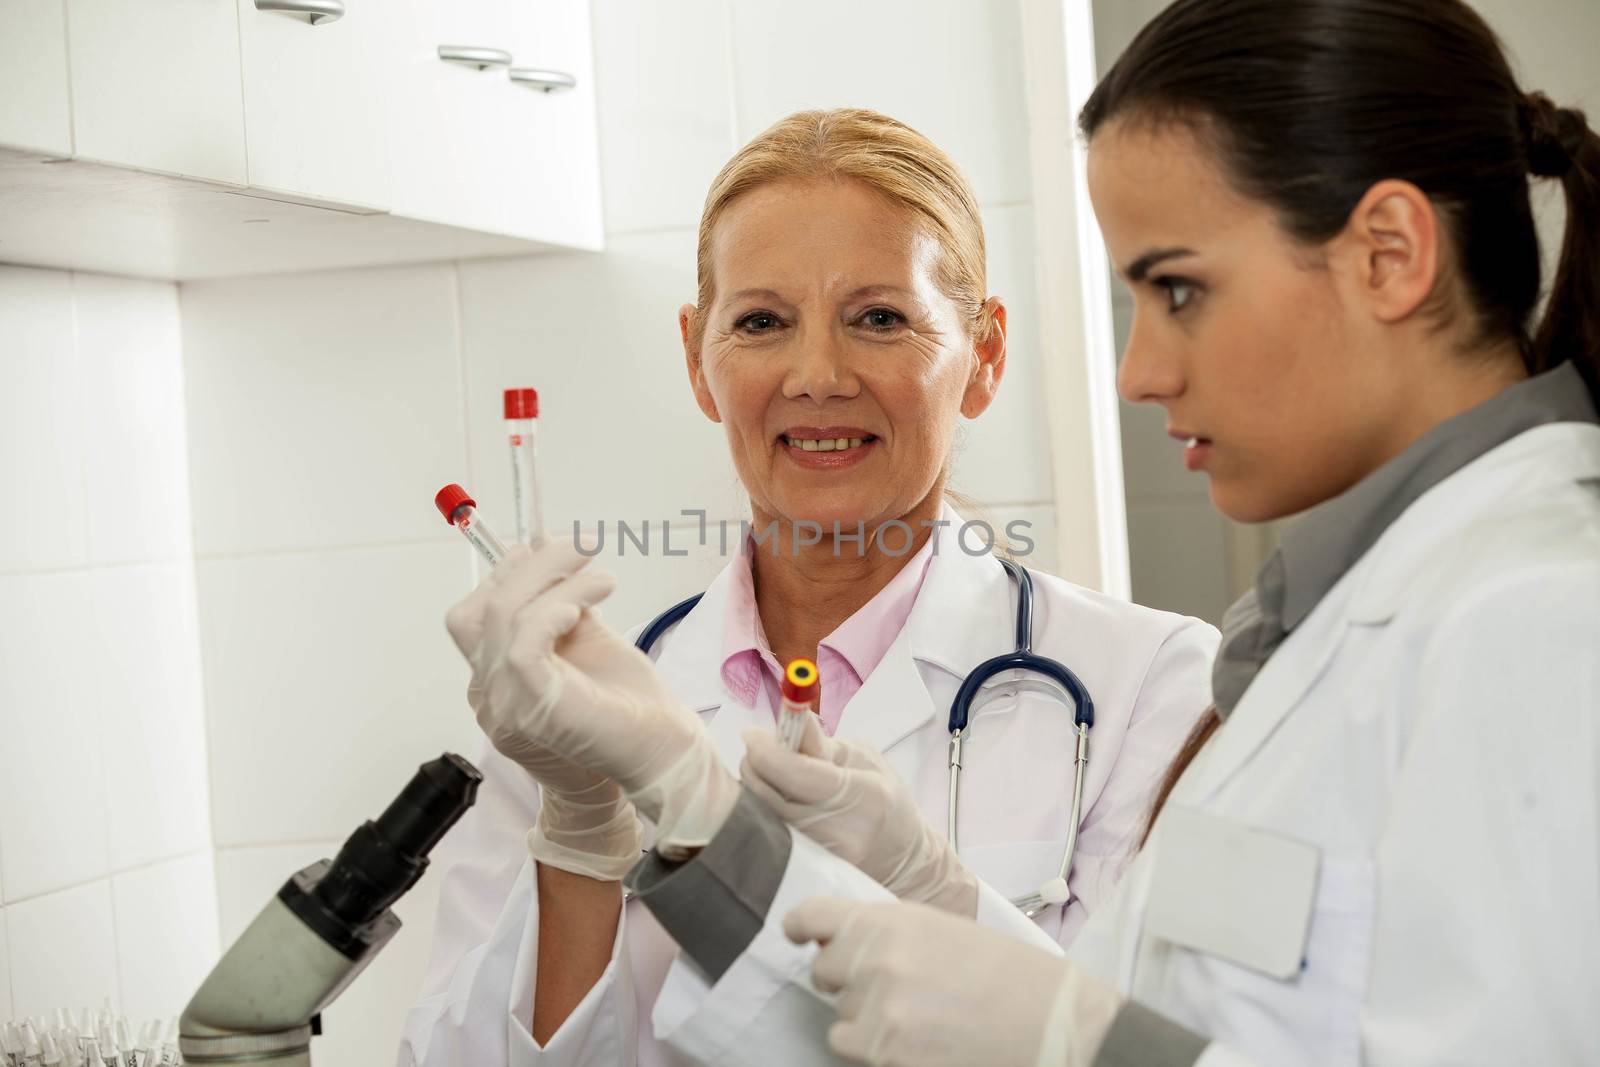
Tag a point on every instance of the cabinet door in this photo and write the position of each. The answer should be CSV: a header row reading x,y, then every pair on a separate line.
x,y
554,156
314,102
156,86
447,140
34,109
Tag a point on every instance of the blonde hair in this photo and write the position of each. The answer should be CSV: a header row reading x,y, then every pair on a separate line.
x,y
887,156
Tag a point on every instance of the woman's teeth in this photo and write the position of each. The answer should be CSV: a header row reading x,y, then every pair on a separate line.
x,y
827,444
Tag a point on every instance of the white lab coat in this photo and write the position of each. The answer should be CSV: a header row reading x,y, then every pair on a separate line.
x,y
1433,729
1147,671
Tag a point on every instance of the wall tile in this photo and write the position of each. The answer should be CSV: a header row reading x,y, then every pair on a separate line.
x,y
1179,558
144,628
63,950
39,421
649,584
1005,452
52,782
328,677
665,103
619,433
166,918
136,466
950,68
363,1028
324,409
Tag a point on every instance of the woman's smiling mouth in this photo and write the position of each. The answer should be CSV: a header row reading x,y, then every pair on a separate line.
x,y
826,447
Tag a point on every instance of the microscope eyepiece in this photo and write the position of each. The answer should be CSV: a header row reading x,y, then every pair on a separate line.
x,y
384,857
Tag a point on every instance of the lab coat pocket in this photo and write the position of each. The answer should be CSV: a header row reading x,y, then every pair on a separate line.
x,y
1312,1016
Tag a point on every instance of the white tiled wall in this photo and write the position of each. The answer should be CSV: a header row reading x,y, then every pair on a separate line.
x,y
105,880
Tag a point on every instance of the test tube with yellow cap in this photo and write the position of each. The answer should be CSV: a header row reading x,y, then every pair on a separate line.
x,y
799,689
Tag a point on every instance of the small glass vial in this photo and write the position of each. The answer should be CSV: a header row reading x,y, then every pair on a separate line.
x,y
461,511
522,433
799,687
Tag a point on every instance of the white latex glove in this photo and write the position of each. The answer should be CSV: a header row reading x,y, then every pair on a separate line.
x,y
557,680
586,824
846,798
919,988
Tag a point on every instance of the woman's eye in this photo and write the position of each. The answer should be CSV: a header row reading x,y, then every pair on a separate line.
x,y
881,319
1179,292
758,322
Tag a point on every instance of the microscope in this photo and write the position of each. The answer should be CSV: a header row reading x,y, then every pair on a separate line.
x,y
262,1002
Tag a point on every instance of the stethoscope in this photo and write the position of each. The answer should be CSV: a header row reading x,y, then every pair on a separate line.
x,y
1023,658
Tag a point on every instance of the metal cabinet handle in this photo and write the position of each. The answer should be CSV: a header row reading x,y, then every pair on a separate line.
x,y
549,81
316,11
477,58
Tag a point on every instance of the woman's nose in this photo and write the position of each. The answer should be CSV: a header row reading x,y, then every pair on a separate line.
x,y
821,372
1148,374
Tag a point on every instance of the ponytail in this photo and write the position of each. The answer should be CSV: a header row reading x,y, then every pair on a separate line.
x,y
1191,748
1561,145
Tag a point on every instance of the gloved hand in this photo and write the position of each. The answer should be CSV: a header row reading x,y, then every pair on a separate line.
x,y
846,798
555,680
903,973
586,824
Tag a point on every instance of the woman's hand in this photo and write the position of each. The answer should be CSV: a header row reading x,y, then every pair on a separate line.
x,y
586,824
906,978
845,797
559,692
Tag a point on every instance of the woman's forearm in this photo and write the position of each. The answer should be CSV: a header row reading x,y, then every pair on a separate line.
x,y
577,927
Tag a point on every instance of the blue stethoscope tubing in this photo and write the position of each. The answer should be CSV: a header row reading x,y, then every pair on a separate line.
x,y
1022,658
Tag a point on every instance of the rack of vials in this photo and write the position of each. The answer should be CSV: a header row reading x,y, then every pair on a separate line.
x,y
94,1039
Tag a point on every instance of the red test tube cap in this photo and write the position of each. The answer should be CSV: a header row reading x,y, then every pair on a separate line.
x,y
799,681
448,499
522,403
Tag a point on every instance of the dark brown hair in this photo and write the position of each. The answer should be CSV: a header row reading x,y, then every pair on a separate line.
x,y
1309,104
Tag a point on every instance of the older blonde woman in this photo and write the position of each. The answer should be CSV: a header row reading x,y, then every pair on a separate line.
x,y
841,329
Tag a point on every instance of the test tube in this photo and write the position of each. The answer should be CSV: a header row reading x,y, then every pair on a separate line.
x,y
799,686
522,432
32,1052
461,511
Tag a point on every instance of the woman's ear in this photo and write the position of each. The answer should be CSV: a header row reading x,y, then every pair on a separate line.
x,y
989,359
1389,250
692,335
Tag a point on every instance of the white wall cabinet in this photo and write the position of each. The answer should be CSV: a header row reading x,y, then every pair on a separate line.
x,y
313,100
205,138
34,105
156,86
472,144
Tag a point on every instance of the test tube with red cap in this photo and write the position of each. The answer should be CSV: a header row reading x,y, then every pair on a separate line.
x,y
799,687
461,511
522,430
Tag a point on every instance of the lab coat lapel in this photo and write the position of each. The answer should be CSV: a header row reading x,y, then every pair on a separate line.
x,y
1274,693
962,616
690,662
892,703
1381,581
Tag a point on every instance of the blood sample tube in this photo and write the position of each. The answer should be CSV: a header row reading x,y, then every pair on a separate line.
x,y
799,686
461,511
522,432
